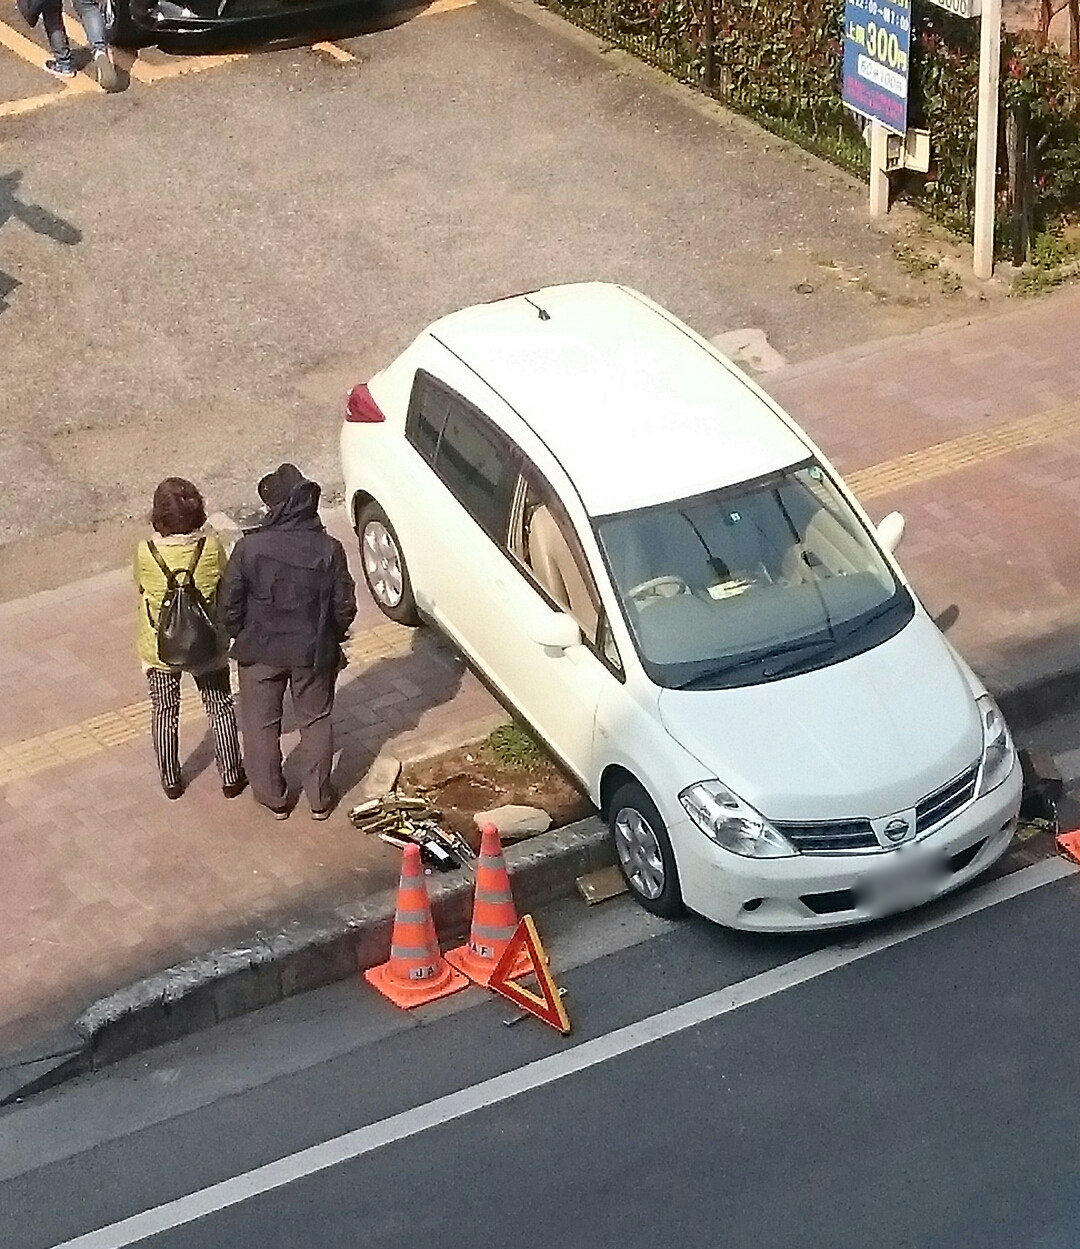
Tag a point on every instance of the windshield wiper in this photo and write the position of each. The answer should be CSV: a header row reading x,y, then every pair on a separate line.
x,y
712,674
802,648
882,610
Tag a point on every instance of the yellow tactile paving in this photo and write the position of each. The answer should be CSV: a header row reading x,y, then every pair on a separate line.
x,y
964,451
29,756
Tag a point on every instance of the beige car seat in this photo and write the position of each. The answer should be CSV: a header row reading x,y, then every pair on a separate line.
x,y
557,571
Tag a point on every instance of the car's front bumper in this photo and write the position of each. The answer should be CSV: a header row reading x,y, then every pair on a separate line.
x,y
808,892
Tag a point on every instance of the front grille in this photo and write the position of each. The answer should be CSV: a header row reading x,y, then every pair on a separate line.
x,y
947,800
840,835
830,835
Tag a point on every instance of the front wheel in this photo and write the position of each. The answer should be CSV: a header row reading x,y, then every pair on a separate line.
x,y
646,859
385,570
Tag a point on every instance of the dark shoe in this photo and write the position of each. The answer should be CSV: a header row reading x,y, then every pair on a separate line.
x,y
173,791
105,72
63,69
279,813
323,813
236,788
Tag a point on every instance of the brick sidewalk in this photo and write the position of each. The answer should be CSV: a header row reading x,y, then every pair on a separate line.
x,y
106,880
972,431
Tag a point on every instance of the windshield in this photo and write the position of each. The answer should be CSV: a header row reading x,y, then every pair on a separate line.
x,y
752,582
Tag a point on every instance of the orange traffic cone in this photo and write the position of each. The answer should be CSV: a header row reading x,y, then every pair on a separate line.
x,y
416,972
494,919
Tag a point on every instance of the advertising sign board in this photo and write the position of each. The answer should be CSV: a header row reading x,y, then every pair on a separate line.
x,y
877,42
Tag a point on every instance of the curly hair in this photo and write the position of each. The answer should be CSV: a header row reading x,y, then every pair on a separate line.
x,y
178,507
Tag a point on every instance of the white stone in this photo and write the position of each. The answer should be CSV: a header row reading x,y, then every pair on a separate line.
x,y
515,822
749,349
381,778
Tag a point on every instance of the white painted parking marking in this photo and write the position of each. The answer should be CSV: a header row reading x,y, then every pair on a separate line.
x,y
558,1066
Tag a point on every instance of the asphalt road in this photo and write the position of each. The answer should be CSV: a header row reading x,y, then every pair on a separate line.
x,y
904,1087
192,273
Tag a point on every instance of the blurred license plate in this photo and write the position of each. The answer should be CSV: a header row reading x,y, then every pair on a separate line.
x,y
905,882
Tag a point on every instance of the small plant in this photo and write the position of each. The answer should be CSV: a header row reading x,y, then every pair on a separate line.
x,y
913,262
1048,250
515,747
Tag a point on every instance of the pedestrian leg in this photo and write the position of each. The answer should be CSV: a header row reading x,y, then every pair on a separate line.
x,y
94,24
165,727
218,701
61,64
313,703
262,694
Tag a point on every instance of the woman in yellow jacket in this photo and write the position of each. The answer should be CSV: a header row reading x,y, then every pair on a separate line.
x,y
179,520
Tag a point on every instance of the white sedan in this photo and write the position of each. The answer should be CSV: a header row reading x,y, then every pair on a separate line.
x,y
658,570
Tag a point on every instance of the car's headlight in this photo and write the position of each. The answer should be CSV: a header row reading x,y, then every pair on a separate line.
x,y
999,754
731,823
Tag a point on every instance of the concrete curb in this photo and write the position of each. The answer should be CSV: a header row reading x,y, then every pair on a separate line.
x,y
271,966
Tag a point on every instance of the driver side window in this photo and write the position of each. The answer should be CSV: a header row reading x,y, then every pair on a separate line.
x,y
543,541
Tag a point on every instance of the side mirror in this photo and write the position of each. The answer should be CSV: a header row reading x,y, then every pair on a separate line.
x,y
554,630
890,531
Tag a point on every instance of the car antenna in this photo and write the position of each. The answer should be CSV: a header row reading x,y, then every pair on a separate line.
x,y
544,314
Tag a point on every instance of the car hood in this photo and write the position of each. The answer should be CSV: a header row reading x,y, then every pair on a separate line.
x,y
866,737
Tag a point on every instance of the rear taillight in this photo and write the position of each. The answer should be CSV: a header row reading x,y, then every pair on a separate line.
x,y
361,406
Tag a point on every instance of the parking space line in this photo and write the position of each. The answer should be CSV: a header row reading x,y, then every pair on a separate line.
x,y
331,49
446,6
30,103
546,1071
143,71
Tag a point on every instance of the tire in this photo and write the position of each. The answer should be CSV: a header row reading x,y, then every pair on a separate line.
x,y
644,851
385,570
120,29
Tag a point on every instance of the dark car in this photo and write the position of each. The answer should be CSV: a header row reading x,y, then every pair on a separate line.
x,y
131,23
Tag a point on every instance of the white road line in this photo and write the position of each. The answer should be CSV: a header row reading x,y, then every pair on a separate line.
x,y
544,1071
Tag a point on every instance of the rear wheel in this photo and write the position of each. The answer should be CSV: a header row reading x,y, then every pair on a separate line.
x,y
385,570
644,849
120,29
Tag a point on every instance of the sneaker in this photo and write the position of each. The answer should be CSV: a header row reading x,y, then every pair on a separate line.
x,y
173,791
279,813
60,69
236,788
323,813
105,72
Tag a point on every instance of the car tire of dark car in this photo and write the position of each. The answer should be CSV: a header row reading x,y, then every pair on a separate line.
x,y
385,570
120,28
644,851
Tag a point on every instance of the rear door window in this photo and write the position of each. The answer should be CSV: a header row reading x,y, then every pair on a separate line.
x,y
478,464
428,408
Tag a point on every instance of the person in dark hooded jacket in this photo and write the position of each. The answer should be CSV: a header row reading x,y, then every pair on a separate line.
x,y
287,600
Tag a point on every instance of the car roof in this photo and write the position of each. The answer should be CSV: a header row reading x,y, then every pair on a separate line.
x,y
629,401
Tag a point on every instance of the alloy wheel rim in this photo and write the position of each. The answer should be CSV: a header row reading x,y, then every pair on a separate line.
x,y
638,849
382,564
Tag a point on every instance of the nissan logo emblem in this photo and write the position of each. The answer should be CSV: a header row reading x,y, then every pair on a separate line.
x,y
897,829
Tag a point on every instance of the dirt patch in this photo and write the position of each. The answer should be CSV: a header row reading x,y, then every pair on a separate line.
x,y
472,778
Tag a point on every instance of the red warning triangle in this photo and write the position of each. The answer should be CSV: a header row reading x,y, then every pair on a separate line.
x,y
548,1008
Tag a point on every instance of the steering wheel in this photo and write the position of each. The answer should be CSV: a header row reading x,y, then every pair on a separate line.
x,y
659,587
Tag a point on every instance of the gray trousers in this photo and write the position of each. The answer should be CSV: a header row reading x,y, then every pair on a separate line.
x,y
262,698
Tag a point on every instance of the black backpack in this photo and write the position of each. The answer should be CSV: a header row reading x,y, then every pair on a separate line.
x,y
186,634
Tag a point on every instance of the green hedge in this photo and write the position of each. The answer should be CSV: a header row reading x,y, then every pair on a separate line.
x,y
780,61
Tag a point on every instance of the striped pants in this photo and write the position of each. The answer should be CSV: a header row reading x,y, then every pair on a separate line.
x,y
217,699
